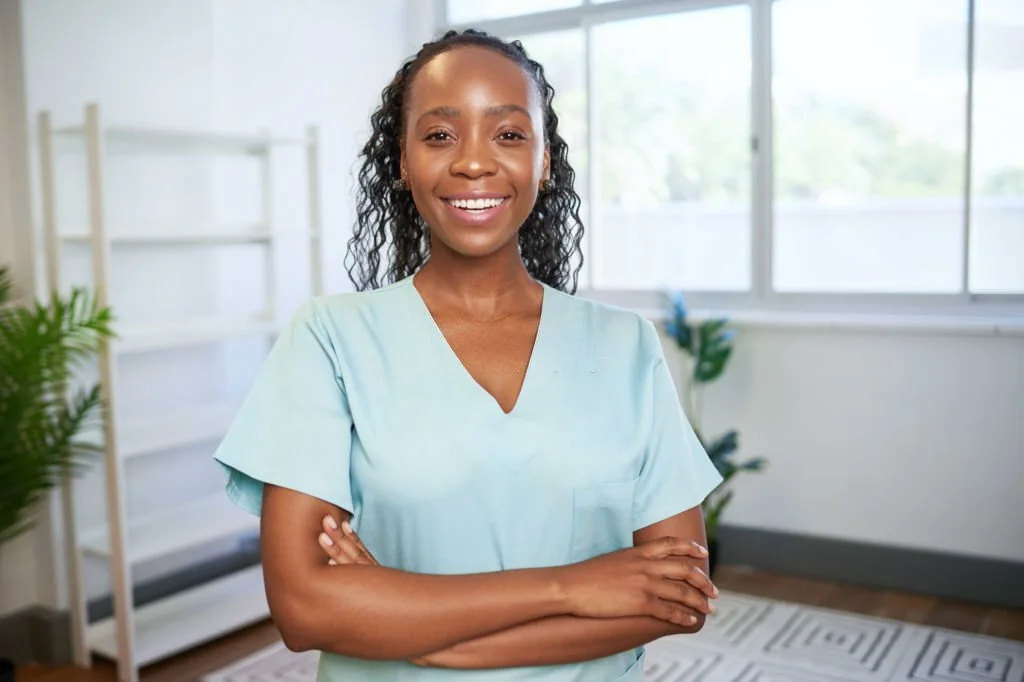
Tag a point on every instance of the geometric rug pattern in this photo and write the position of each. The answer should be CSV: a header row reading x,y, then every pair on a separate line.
x,y
752,639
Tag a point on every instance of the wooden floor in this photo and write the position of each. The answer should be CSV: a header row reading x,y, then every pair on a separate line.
x,y
925,610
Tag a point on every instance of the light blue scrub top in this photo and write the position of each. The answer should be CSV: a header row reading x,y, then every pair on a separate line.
x,y
362,403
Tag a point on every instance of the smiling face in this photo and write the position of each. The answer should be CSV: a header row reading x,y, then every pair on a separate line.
x,y
474,153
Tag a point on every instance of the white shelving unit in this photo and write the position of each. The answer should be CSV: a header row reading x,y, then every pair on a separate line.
x,y
136,635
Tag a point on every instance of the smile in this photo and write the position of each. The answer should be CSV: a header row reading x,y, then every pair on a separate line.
x,y
476,204
476,211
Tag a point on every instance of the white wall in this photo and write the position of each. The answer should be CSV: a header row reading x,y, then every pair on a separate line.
x,y
221,64
890,437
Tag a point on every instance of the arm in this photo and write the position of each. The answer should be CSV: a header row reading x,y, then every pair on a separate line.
x,y
375,612
579,639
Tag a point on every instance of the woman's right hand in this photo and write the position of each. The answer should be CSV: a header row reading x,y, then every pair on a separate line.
x,y
653,579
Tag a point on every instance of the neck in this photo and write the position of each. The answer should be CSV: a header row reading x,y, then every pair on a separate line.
x,y
489,285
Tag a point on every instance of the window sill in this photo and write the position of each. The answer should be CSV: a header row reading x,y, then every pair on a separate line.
x,y
976,325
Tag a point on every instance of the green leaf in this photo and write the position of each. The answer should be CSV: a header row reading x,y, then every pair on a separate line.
x,y
713,509
41,347
714,350
723,446
711,365
6,285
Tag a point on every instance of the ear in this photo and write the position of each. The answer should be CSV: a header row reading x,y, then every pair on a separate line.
x,y
403,171
546,174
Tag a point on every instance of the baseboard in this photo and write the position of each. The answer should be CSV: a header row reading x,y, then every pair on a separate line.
x,y
37,634
973,579
43,635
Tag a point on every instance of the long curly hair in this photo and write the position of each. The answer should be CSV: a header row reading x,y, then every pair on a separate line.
x,y
386,217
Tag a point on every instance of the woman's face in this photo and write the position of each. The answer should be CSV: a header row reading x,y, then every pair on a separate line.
x,y
474,154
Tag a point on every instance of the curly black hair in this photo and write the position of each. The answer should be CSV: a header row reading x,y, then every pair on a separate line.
x,y
549,239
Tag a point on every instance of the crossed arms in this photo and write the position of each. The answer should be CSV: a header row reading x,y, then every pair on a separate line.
x,y
354,607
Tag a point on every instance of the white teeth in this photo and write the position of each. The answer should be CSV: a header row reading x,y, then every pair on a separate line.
x,y
475,204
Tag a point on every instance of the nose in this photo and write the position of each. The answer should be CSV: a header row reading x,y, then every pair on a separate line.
x,y
473,158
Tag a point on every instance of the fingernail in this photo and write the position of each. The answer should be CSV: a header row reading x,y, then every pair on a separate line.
x,y
711,608
346,526
325,539
692,619
331,523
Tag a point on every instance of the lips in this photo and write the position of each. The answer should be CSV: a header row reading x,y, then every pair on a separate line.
x,y
476,209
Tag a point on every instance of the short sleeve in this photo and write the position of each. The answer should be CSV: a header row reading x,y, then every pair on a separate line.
x,y
676,473
294,428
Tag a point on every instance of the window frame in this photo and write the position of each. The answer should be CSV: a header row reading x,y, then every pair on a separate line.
x,y
762,304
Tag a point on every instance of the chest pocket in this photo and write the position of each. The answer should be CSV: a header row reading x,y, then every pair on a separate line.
x,y
602,519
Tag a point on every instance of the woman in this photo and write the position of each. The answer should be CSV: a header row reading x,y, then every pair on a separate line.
x,y
515,458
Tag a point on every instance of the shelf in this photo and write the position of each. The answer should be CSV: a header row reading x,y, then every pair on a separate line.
x,y
197,237
175,530
185,140
145,338
145,435
169,626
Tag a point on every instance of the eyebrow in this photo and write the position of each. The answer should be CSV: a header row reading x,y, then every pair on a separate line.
x,y
497,110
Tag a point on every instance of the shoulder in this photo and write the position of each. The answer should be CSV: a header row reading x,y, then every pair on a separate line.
x,y
350,320
621,331
332,310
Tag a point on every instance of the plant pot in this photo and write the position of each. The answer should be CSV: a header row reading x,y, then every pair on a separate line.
x,y
712,556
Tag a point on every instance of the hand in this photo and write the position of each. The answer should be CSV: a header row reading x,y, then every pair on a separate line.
x,y
653,579
342,545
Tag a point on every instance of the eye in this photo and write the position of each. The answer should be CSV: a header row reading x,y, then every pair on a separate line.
x,y
511,136
438,136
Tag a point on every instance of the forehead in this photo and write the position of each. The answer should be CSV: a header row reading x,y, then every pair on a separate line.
x,y
469,77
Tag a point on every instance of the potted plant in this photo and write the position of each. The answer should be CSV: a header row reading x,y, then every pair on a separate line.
x,y
707,347
41,346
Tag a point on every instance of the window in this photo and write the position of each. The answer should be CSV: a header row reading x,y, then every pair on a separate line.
x,y
997,191
756,152
672,152
466,11
562,54
870,145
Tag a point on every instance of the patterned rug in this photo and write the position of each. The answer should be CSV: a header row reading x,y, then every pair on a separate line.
x,y
750,639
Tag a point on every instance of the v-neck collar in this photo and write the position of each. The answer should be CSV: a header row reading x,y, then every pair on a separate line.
x,y
531,366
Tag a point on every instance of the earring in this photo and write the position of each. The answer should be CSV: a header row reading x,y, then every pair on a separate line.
x,y
547,185
399,185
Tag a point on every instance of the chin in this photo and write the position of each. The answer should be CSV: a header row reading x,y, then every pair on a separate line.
x,y
478,245
475,241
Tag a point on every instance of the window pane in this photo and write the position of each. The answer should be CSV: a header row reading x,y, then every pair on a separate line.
x,y
672,100
561,53
997,202
870,140
465,11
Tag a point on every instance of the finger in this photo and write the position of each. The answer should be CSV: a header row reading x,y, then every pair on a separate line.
x,y
672,546
351,534
330,526
677,570
332,549
682,594
345,550
672,613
